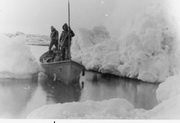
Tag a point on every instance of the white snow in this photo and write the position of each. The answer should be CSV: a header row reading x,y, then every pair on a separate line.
x,y
16,58
168,95
88,109
146,52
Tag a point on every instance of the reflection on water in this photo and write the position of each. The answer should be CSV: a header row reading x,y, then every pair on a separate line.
x,y
102,87
14,95
61,93
20,97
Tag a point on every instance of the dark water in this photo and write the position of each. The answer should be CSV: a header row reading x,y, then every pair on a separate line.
x,y
20,97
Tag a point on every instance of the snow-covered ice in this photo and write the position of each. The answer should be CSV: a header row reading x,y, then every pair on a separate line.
x,y
32,39
168,95
114,108
17,60
146,52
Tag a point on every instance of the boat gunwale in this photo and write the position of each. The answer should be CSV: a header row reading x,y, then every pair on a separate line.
x,y
61,62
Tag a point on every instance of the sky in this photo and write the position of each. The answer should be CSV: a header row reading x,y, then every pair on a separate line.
x,y
36,16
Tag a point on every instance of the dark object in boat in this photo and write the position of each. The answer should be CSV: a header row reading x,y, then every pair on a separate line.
x,y
67,71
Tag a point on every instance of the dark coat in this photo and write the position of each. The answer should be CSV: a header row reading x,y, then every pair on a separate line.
x,y
54,35
64,38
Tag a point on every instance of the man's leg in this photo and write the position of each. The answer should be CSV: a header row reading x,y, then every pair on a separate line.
x,y
68,50
50,46
56,45
63,53
67,55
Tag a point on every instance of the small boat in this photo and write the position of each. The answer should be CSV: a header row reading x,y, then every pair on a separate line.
x,y
66,71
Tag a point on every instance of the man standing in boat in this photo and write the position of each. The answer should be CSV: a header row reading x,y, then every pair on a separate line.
x,y
54,38
65,41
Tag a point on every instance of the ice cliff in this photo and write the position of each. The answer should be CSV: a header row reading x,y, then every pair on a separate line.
x,y
145,52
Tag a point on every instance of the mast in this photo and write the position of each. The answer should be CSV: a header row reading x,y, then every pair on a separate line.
x,y
69,38
69,13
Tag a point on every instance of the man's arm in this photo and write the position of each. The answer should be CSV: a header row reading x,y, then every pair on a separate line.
x,y
61,37
72,33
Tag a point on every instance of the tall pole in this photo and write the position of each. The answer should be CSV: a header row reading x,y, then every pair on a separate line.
x,y
69,13
69,38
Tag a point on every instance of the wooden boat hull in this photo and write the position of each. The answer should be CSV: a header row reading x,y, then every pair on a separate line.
x,y
65,71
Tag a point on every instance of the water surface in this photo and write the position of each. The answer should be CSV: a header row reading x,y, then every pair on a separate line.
x,y
19,97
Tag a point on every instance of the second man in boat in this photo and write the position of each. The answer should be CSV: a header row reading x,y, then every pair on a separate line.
x,y
65,42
